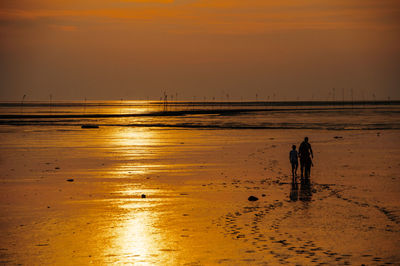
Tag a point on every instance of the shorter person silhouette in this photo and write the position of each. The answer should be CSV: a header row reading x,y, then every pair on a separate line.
x,y
293,157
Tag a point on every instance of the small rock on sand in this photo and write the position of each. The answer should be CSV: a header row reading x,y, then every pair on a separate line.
x,y
143,196
70,180
252,198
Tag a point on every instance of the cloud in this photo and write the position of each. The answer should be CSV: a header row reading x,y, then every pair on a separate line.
x,y
220,16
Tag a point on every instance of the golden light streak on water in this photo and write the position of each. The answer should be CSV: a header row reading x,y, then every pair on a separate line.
x,y
136,235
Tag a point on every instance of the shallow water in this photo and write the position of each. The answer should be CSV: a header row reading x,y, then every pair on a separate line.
x,y
245,115
196,184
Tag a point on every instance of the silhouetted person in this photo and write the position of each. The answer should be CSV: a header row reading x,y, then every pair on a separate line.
x,y
305,152
293,157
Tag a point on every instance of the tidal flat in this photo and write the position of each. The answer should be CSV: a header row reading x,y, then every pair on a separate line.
x,y
176,196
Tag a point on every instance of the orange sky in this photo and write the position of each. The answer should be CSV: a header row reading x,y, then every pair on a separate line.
x,y
293,49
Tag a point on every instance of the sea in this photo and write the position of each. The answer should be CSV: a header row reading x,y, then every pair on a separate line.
x,y
322,115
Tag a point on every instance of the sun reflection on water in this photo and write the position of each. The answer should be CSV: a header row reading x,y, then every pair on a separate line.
x,y
136,241
139,235
140,152
135,148
137,238
132,137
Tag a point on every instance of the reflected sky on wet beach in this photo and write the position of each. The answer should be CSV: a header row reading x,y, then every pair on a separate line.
x,y
197,182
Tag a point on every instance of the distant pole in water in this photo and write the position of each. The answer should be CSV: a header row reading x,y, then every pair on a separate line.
x,y
51,96
84,106
343,95
22,103
165,101
363,97
352,97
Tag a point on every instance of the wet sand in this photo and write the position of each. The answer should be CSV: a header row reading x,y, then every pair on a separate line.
x,y
196,184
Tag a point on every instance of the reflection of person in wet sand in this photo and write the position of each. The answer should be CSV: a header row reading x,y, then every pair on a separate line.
x,y
305,190
305,152
293,157
294,192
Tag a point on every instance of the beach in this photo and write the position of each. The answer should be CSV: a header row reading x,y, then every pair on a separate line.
x,y
175,195
137,132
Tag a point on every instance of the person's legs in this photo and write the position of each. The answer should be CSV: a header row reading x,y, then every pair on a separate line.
x,y
301,166
307,167
294,172
293,167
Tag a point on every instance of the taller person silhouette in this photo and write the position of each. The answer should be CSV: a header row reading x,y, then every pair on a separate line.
x,y
305,151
